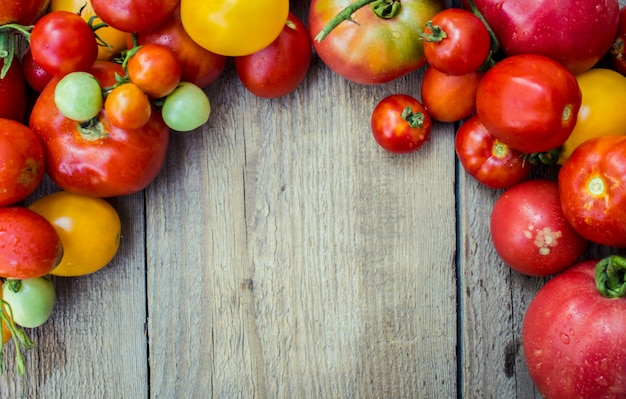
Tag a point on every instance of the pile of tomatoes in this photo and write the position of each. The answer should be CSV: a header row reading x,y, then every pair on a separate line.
x,y
114,79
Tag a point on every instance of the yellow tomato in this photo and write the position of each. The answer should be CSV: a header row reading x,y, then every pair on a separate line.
x,y
116,39
234,28
603,108
89,228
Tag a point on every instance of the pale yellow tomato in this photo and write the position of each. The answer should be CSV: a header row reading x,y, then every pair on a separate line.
x,y
115,39
89,228
603,108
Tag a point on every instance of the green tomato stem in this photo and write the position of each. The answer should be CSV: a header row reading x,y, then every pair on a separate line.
x,y
610,276
415,119
495,44
436,33
386,9
20,338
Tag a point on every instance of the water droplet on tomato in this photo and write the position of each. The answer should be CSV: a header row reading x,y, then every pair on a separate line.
x,y
565,338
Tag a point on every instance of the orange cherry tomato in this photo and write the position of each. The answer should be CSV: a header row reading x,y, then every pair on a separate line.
x,y
155,69
127,106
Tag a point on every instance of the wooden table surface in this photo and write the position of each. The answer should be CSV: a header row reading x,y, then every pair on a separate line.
x,y
282,254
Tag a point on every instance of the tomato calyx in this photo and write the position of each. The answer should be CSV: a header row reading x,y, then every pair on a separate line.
x,y
20,338
436,35
386,9
550,157
414,119
92,129
610,276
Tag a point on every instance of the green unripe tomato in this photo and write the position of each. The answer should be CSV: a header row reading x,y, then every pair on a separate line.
x,y
78,96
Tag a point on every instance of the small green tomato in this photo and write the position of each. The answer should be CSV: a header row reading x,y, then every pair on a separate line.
x,y
78,96
186,108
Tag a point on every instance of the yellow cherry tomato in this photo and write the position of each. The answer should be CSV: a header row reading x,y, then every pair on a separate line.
x,y
603,108
89,228
234,27
116,39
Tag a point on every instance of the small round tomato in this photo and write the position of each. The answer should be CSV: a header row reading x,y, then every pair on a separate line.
x,y
155,69
134,16
529,231
592,189
199,65
617,54
234,28
36,77
449,98
456,42
22,163
29,245
186,108
127,106
32,300
89,228
574,338
62,42
529,102
114,39
279,68
13,92
487,159
602,108
400,124
78,96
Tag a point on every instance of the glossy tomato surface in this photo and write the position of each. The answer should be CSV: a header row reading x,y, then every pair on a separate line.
x,y
29,246
279,68
529,102
134,16
23,12
13,92
372,49
97,158
574,338
592,189
529,231
400,124
486,159
449,98
22,163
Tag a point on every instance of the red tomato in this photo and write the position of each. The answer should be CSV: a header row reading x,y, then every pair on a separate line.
x,y
22,163
279,68
127,106
371,46
593,193
574,338
617,55
199,66
529,102
36,77
449,98
456,42
98,158
155,69
400,124
134,15
62,42
486,159
29,245
529,231
22,12
13,97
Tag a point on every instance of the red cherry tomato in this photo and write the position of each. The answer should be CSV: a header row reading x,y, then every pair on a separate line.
x,y
155,69
29,245
98,158
400,124
487,159
36,77
529,102
62,42
22,163
278,69
592,189
574,338
449,98
456,42
529,231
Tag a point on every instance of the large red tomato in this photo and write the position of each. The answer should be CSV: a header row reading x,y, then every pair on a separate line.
x,y
371,45
576,33
199,66
529,102
96,158
132,15
22,12
593,190
574,338
529,231
29,245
